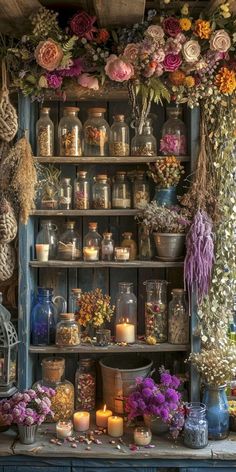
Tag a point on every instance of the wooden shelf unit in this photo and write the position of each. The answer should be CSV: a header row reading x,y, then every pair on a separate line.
x,y
104,264
103,160
112,349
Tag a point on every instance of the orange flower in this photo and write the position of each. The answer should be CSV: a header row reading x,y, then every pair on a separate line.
x,y
102,36
185,24
203,29
48,54
189,81
226,81
177,77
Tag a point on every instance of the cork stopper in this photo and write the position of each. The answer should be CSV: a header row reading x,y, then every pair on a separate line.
x,y
96,111
120,118
101,177
127,235
70,224
45,110
68,110
76,291
107,235
93,225
67,316
82,173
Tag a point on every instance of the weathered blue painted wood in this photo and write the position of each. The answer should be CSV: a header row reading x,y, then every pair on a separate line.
x,y
22,468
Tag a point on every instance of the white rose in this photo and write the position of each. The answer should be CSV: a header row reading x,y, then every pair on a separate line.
x,y
191,51
220,41
156,32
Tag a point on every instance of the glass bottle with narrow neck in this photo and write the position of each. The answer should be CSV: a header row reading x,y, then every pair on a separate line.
x,y
121,191
119,137
70,133
43,318
126,314
173,141
81,191
45,134
48,236
96,133
92,243
107,249
131,244
65,194
144,143
178,319
69,245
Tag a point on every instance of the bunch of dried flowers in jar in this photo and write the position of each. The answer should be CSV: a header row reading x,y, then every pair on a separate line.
x,y
166,172
94,309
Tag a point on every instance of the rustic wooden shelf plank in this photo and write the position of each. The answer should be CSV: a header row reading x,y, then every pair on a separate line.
x,y
113,348
103,160
110,212
105,264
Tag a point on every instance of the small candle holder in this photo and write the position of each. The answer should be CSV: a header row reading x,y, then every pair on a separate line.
x,y
91,253
121,254
64,429
81,421
42,252
103,337
142,436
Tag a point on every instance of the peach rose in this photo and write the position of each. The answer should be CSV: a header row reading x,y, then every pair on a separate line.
x,y
131,52
220,41
191,51
88,81
156,32
118,69
48,54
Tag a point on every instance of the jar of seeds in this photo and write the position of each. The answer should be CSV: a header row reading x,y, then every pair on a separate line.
x,y
81,191
65,194
67,331
119,137
45,134
196,426
85,385
178,318
101,192
141,191
144,142
156,311
70,133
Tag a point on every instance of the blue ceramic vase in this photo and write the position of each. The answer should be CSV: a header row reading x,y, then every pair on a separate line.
x,y
166,196
217,413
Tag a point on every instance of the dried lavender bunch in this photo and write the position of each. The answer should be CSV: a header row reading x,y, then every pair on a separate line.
x,y
164,220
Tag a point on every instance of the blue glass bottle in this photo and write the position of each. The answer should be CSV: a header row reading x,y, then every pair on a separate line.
x,y
43,319
217,412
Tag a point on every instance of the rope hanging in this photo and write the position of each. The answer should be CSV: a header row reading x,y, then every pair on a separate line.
x,y
8,115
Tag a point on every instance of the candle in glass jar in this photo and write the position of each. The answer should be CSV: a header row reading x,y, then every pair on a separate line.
x,y
115,426
81,420
64,429
91,253
142,436
122,254
42,252
102,417
125,332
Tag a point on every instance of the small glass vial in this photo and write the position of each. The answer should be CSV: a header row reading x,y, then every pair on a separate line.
x,y
67,331
121,191
156,310
119,137
92,243
142,436
130,244
126,314
178,320
101,192
69,246
81,191
96,133
75,297
65,194
69,133
107,249
85,385
145,245
173,141
141,191
144,143
45,134
196,426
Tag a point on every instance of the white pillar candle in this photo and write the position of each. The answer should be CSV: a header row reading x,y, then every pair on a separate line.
x,y
102,417
125,333
81,420
115,426
42,252
64,429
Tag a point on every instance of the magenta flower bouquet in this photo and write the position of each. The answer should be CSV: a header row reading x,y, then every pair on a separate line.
x,y
31,407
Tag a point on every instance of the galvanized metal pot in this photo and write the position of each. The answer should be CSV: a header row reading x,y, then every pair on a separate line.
x,y
169,246
27,434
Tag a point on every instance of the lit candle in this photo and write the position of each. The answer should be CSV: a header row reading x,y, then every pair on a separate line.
x,y
64,429
115,426
91,253
81,420
42,252
125,332
102,417
142,436
121,254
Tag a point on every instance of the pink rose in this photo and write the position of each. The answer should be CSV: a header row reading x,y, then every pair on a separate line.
x,y
48,54
181,38
220,41
172,46
118,69
88,81
159,55
131,52
82,25
172,62
156,32
191,51
171,26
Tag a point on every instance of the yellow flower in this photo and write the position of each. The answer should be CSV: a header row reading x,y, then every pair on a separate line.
x,y
185,24
226,14
185,9
203,29
226,81
189,81
225,7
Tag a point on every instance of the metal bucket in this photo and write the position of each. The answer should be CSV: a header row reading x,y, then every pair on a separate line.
x,y
27,434
118,376
169,246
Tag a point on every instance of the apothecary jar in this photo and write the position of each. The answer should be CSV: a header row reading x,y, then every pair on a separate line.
x,y
119,137
173,141
144,142
81,191
196,426
101,192
178,318
67,331
69,244
46,240
141,190
85,385
45,134
121,191
96,133
70,133
126,314
156,310
43,318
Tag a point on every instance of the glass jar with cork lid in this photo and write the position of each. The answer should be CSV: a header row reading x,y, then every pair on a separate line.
x,y
121,191
96,133
130,244
92,243
119,137
101,192
81,191
70,133
173,141
85,385
67,331
141,190
144,142
69,245
45,134
107,248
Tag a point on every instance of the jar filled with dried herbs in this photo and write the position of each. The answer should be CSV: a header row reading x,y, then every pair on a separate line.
x,y
101,192
141,191
96,133
65,194
81,191
45,134
67,331
69,244
85,385
119,137
156,311
70,133
144,142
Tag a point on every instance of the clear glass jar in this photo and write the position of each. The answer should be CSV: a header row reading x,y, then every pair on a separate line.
x,y
69,245
131,244
75,297
141,191
81,191
121,191
142,436
156,310
96,133
196,426
65,194
45,134
107,247
178,318
173,141
144,144
126,314
119,137
145,246
49,196
92,243
67,331
101,192
47,236
70,133
43,318
85,385
121,254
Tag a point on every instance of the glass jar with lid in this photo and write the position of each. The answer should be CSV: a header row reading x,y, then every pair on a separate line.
x,y
130,244
107,247
144,142
119,137
196,426
101,192
45,134
85,385
92,243
67,331
173,141
69,244
126,314
75,297
145,245
178,320
156,311
96,133
141,191
81,191
65,194
49,196
70,133
46,240
121,191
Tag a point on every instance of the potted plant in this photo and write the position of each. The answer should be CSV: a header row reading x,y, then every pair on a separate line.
x,y
158,403
94,309
168,226
27,410
166,173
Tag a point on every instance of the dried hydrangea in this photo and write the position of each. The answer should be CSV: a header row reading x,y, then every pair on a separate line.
x,y
164,220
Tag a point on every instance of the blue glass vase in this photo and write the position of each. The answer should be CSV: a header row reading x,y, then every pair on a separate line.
x,y
217,413
166,196
43,319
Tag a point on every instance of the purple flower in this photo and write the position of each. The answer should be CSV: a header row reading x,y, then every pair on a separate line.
x,y
172,395
148,383
166,379
74,70
147,392
160,398
175,382
172,62
171,26
54,81
164,414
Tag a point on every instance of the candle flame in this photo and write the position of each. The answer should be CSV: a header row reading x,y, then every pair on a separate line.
x,y
104,408
125,320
